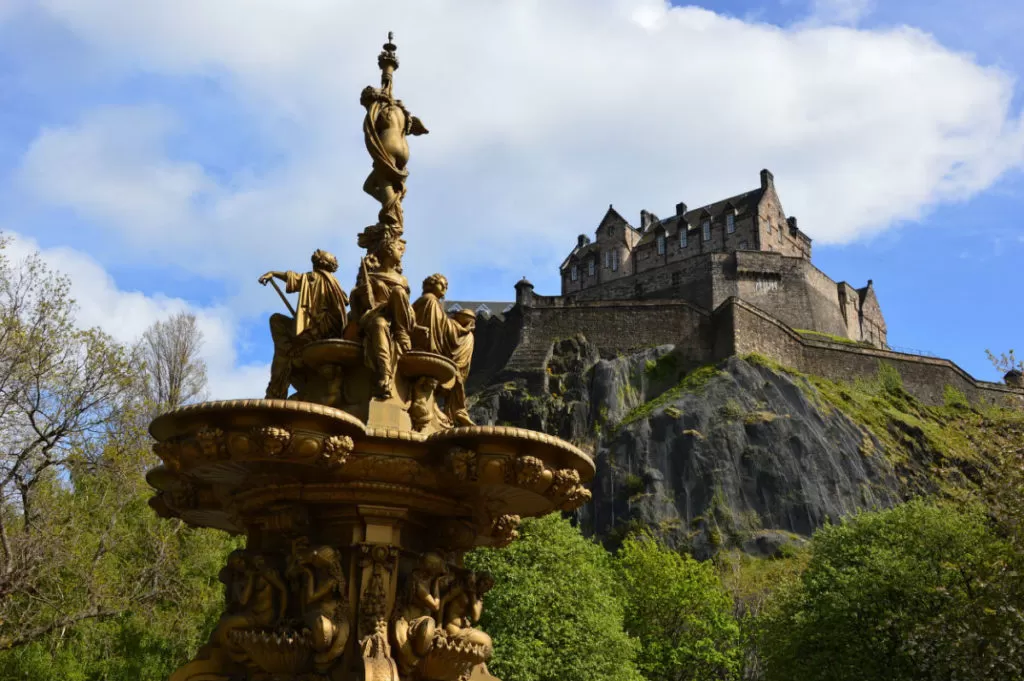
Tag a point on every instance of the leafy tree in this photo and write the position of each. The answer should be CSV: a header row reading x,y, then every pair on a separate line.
x,y
553,612
1005,361
680,612
60,388
93,585
916,592
175,373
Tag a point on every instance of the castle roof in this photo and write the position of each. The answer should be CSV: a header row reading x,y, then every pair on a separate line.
x,y
495,309
741,203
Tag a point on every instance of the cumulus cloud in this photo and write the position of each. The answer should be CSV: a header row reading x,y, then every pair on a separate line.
x,y
125,315
541,113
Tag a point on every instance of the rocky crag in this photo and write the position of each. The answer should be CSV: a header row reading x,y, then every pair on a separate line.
x,y
743,454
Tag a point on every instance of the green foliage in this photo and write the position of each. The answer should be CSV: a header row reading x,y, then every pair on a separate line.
x,y
633,485
954,398
915,592
820,335
553,612
732,410
889,379
680,612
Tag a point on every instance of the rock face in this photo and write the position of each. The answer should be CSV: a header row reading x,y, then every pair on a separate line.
x,y
736,455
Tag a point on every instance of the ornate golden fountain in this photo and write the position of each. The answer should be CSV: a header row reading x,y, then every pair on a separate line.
x,y
360,492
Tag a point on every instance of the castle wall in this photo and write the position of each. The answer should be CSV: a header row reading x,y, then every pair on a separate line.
x,y
752,331
774,233
612,327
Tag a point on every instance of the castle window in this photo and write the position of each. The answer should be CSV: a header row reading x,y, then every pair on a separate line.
x,y
615,261
575,273
707,230
661,244
607,259
682,236
730,223
591,265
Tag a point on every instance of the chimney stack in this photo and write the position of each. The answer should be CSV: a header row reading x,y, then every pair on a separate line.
x,y
791,221
645,220
680,209
767,179
582,241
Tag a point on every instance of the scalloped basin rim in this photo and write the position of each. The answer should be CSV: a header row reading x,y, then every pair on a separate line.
x,y
586,467
171,423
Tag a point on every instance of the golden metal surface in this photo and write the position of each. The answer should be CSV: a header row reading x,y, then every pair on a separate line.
x,y
360,493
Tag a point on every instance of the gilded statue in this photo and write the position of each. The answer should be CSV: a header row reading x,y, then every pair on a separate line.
x,y
414,629
256,598
385,127
320,314
446,336
321,587
381,311
463,606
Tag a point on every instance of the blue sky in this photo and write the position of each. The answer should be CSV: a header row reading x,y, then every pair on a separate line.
x,y
165,154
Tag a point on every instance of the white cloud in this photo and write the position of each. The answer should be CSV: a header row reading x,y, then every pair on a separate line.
x,y
541,113
125,315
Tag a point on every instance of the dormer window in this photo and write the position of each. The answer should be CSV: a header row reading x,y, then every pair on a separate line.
x,y
730,223
483,310
661,244
454,307
682,236
591,266
707,230
575,273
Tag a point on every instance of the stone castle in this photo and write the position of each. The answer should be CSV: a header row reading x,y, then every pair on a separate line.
x,y
743,246
732,277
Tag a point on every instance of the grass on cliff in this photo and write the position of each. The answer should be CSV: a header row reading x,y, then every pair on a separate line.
x,y
820,335
928,445
691,383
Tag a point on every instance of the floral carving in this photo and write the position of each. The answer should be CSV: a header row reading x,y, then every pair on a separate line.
x,y
211,442
529,470
274,439
577,497
336,449
463,463
566,491
505,530
562,482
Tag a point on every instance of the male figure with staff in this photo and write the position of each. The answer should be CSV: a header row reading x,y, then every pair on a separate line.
x,y
320,314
